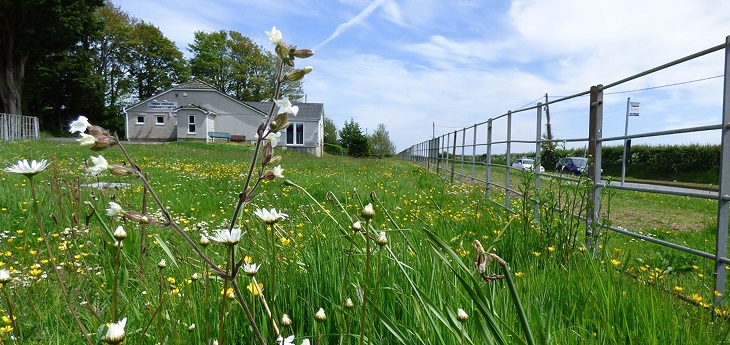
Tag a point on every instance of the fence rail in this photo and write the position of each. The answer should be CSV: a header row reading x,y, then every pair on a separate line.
x,y
451,154
15,127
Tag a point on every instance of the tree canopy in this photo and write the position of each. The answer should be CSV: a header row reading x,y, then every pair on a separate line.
x,y
352,138
380,142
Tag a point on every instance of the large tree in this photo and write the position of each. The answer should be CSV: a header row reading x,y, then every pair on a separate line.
x,y
31,30
156,63
380,142
351,138
236,65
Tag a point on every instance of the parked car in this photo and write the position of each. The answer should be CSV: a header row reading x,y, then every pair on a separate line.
x,y
526,164
572,165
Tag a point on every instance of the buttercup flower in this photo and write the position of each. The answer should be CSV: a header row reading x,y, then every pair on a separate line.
x,y
251,269
461,315
227,237
285,341
255,289
4,276
320,315
120,234
100,164
269,217
278,171
368,212
79,125
275,36
28,169
285,106
115,332
114,209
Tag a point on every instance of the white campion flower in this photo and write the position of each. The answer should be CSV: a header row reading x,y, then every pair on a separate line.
x,y
251,269
305,342
285,341
86,139
4,276
278,171
100,164
27,169
285,106
114,209
273,138
269,217
227,237
115,332
79,125
275,36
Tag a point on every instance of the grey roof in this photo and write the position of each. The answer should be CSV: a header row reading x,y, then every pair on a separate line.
x,y
307,111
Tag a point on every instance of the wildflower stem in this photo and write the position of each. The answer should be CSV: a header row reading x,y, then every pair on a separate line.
x,y
116,281
16,331
365,282
266,305
516,300
52,258
344,283
222,311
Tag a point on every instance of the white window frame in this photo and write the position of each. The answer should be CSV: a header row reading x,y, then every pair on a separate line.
x,y
138,120
191,124
297,130
159,120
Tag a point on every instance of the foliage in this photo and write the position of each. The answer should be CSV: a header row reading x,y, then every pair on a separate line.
x,y
237,66
352,139
380,142
687,163
33,30
156,64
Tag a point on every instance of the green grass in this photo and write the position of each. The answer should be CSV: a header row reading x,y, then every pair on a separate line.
x,y
416,282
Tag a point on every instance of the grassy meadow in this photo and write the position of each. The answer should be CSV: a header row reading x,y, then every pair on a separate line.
x,y
554,292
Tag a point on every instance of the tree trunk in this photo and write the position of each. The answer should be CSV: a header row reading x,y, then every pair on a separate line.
x,y
12,70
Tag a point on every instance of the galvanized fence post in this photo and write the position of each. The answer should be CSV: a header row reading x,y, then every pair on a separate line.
x,y
453,159
538,162
595,128
463,144
507,159
473,155
723,201
488,160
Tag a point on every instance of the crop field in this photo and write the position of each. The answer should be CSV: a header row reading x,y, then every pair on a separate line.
x,y
406,275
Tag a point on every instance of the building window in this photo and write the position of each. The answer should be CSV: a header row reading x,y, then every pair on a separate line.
x,y
191,124
160,120
140,119
295,134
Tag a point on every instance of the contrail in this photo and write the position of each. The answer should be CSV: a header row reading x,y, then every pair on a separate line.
x,y
354,21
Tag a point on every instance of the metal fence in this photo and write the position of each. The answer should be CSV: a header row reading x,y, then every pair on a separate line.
x,y
466,156
14,127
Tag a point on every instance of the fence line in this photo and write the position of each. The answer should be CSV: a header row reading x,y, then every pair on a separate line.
x,y
14,127
443,153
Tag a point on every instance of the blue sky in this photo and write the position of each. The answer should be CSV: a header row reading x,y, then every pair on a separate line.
x,y
411,63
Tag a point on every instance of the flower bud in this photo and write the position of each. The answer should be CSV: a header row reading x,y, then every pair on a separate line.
x,y
285,320
274,160
162,264
103,142
302,53
204,241
296,74
368,212
381,240
120,234
138,217
320,316
120,170
349,304
4,276
356,226
461,315
280,122
97,130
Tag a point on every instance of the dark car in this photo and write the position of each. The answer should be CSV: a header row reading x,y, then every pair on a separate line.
x,y
573,165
